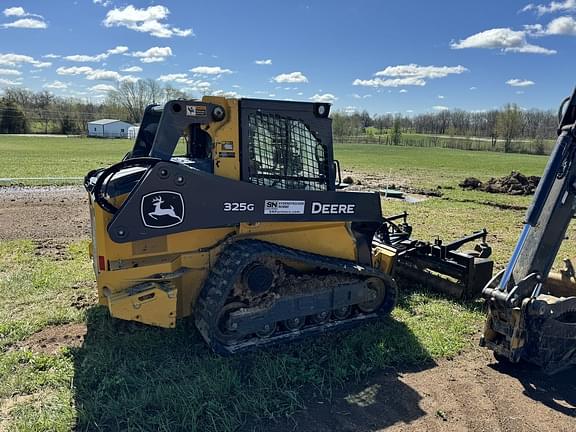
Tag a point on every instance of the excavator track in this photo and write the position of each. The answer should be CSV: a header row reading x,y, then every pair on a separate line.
x,y
346,295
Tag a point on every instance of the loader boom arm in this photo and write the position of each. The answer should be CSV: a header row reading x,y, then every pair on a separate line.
x,y
525,319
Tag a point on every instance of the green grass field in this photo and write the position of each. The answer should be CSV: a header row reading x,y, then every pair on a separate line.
x,y
131,377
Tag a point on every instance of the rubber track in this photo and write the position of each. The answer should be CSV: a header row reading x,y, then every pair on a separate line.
x,y
228,268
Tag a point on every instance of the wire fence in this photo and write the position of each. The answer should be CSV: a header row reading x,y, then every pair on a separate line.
x,y
475,144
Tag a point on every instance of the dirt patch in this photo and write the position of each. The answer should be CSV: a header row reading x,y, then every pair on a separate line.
x,y
51,339
84,301
470,393
55,250
43,212
514,184
376,183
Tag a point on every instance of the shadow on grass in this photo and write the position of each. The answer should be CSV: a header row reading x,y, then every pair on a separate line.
x,y
557,392
133,377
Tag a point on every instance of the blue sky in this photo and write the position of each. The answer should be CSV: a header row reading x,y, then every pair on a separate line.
x,y
383,56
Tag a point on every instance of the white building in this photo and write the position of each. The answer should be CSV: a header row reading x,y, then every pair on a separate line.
x,y
133,132
108,128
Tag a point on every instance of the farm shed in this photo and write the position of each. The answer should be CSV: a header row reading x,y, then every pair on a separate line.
x,y
108,128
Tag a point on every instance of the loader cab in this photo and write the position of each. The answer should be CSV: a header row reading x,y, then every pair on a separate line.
x,y
277,144
280,144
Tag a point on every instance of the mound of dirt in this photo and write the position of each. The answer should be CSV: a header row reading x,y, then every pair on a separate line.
x,y
514,184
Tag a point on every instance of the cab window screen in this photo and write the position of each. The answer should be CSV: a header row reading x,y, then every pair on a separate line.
x,y
284,154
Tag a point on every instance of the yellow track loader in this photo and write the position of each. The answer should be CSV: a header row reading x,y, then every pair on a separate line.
x,y
249,232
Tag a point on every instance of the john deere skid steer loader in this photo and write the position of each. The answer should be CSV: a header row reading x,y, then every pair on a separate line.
x,y
247,231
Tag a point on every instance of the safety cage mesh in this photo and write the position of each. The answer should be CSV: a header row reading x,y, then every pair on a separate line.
x,y
284,154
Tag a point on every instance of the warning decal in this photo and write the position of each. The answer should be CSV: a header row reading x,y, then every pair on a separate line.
x,y
195,110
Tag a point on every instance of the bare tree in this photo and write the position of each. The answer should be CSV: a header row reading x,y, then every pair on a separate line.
x,y
509,125
41,104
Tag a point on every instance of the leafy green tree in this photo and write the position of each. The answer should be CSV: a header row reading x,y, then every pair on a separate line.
x,y
12,118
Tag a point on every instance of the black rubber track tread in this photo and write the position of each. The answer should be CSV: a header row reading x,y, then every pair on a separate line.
x,y
228,268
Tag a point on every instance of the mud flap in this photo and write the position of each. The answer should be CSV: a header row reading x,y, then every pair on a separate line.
x,y
551,337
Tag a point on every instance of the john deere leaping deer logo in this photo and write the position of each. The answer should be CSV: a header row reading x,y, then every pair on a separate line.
x,y
162,209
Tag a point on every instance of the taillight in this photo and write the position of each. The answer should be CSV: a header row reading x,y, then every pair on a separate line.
x,y
101,263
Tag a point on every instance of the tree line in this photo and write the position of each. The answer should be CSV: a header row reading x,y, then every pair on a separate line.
x,y
507,124
24,111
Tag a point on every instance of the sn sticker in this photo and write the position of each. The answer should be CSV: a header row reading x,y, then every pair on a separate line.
x,y
283,207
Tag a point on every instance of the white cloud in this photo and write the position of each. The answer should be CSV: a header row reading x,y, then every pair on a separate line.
x,y
227,94
11,59
555,6
132,69
26,20
293,77
103,75
178,77
26,23
145,20
102,88
9,82
15,11
564,25
52,56
441,97
82,58
409,75
403,91
74,70
473,88
104,3
440,108
326,97
41,65
95,74
11,72
153,55
182,78
120,49
426,72
210,70
58,85
505,39
519,82
396,82
263,62
129,78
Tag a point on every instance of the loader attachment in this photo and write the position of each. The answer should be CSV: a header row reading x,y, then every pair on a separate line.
x,y
439,266
532,313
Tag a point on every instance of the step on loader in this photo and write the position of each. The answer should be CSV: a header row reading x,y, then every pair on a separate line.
x,y
248,232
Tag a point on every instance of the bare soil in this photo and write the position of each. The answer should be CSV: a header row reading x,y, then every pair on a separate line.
x,y
51,339
468,393
43,213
